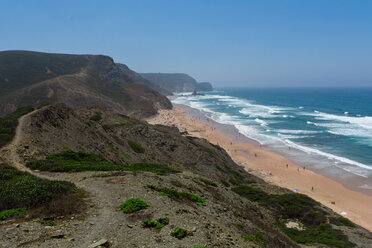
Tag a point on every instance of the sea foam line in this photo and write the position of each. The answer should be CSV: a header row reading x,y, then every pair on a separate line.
x,y
254,134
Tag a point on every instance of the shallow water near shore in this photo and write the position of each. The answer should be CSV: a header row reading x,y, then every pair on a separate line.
x,y
305,134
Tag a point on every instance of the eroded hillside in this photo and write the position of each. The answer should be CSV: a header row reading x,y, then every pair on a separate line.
x,y
34,78
190,193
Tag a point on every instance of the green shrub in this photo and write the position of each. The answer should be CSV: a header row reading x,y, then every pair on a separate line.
x,y
179,233
253,194
158,224
151,224
207,182
70,161
136,147
133,205
322,234
47,222
21,189
172,193
163,220
96,117
257,238
300,207
341,221
313,218
295,206
8,124
6,214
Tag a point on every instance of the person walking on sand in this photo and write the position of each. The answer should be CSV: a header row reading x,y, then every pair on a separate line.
x,y
312,188
287,166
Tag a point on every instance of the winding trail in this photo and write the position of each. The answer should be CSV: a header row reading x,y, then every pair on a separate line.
x,y
100,225
9,152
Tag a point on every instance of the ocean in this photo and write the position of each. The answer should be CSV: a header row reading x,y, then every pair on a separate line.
x,y
326,129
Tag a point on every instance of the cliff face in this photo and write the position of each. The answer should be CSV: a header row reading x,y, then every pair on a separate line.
x,y
176,82
33,78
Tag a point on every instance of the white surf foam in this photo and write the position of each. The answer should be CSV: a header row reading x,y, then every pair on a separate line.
x,y
310,150
365,121
290,131
254,110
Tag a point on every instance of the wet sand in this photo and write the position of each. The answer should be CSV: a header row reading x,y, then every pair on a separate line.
x,y
271,166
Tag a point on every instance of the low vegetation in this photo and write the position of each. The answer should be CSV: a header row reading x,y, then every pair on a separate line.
x,y
158,224
136,147
96,117
20,189
298,207
133,205
341,221
121,124
257,238
70,161
8,124
180,233
322,234
172,193
6,214
207,182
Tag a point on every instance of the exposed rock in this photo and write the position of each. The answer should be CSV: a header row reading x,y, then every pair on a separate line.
x,y
101,242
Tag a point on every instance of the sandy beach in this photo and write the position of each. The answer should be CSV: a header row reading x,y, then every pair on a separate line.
x,y
275,168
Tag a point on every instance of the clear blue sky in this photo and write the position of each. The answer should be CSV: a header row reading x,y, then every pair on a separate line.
x,y
229,43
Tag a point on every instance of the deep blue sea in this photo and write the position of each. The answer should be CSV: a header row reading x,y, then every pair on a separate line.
x,y
332,127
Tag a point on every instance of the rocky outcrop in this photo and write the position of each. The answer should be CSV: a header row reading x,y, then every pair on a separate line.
x,y
176,82
33,78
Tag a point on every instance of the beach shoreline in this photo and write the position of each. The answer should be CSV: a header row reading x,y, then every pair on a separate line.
x,y
270,166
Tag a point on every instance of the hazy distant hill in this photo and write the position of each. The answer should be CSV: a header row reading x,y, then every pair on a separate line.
x,y
176,82
34,78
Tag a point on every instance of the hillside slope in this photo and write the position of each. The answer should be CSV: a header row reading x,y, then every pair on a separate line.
x,y
177,82
33,78
201,189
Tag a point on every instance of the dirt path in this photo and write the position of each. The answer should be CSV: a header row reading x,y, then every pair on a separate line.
x,y
9,152
97,226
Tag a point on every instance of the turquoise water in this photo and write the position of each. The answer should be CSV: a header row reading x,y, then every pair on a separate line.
x,y
332,127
